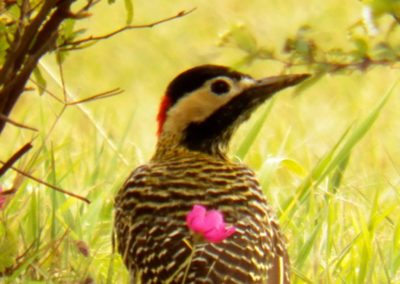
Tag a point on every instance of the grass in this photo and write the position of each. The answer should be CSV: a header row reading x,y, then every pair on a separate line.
x,y
328,159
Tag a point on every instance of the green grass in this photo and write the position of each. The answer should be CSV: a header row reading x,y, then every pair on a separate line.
x,y
328,159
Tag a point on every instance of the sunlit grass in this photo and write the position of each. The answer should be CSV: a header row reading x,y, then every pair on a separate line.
x,y
328,159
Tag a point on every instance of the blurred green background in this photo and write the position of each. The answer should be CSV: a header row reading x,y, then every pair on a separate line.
x,y
345,229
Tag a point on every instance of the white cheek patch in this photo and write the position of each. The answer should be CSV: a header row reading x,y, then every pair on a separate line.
x,y
194,107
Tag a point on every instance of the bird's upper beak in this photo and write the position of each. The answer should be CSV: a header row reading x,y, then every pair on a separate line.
x,y
264,88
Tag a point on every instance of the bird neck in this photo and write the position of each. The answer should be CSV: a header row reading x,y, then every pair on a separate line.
x,y
171,145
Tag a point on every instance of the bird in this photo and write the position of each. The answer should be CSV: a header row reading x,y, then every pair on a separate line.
x,y
200,111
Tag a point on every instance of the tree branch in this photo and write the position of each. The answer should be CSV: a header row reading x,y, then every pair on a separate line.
x,y
78,43
11,161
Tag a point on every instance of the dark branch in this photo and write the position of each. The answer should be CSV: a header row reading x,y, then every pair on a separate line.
x,y
11,161
37,38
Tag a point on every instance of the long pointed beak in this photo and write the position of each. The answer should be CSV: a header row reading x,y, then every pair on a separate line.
x,y
263,89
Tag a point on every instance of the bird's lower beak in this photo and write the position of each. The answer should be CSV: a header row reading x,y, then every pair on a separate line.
x,y
263,89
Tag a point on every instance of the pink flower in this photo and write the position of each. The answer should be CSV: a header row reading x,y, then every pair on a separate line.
x,y
209,224
2,199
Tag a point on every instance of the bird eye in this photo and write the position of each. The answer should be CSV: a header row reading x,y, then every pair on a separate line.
x,y
220,87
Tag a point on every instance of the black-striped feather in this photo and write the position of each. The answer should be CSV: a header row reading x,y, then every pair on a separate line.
x,y
153,237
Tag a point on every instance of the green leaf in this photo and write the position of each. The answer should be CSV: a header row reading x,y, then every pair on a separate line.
x,y
303,46
40,80
383,51
129,11
361,44
362,48
294,167
239,36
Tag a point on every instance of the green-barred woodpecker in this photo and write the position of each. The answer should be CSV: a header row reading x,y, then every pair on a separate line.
x,y
201,109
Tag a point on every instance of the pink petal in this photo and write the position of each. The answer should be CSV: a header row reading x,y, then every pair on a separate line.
x,y
230,231
195,218
213,220
197,225
209,224
216,236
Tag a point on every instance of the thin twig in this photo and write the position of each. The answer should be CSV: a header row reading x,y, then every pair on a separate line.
x,y
129,27
89,5
99,96
17,124
61,70
56,188
45,90
15,157
104,95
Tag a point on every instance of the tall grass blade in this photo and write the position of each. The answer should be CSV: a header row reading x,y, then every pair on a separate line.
x,y
338,173
309,244
253,133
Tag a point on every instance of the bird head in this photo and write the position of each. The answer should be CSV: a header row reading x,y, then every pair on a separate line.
x,y
204,105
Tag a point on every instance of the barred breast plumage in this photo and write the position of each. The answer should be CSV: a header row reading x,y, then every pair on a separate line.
x,y
151,210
